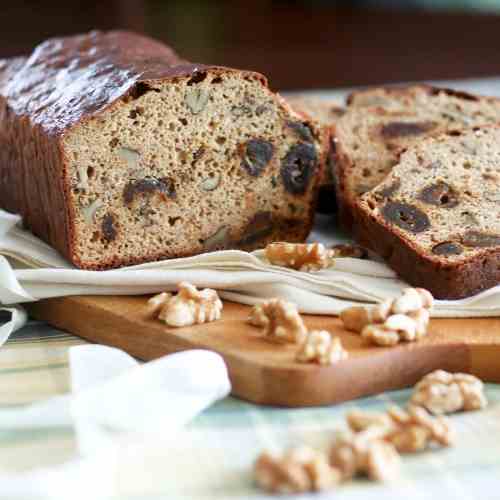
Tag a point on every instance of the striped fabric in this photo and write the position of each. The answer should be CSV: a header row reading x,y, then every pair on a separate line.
x,y
225,439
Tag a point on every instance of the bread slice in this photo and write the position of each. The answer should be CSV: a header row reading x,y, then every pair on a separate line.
x,y
379,122
435,219
116,151
325,112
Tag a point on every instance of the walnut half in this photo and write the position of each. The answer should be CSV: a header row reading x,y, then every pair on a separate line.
x,y
299,470
280,321
190,306
416,430
320,347
405,318
364,453
299,256
441,392
408,431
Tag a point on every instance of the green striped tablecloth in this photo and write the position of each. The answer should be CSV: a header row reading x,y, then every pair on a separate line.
x,y
225,439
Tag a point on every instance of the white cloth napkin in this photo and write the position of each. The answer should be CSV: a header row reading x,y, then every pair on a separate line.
x,y
31,270
116,406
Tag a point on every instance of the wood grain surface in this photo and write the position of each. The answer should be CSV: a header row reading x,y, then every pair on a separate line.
x,y
266,373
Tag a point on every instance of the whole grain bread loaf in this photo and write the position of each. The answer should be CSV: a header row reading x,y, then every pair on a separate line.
x,y
325,112
116,151
436,217
379,122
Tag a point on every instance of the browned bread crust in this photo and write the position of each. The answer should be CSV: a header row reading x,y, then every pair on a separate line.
x,y
435,217
379,122
54,103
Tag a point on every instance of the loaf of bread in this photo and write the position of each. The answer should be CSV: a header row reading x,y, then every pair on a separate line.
x,y
116,151
379,122
436,217
325,112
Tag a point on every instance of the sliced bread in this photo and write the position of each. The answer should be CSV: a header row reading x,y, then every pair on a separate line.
x,y
435,219
379,122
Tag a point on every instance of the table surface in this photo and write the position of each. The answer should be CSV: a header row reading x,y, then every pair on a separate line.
x,y
34,365
226,438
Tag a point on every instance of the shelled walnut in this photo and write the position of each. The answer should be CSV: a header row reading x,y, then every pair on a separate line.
x,y
299,470
416,430
349,250
409,431
397,328
365,453
156,302
190,306
361,420
280,321
441,392
405,318
357,317
320,347
299,256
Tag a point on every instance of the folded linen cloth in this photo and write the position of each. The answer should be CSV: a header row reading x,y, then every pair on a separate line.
x,y
115,404
31,270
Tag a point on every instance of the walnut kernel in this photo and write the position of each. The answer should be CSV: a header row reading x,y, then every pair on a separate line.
x,y
297,471
364,453
441,392
409,431
196,99
405,318
210,183
280,321
130,156
299,256
320,347
90,210
190,306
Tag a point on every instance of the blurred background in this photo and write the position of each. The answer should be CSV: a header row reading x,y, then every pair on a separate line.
x,y
298,44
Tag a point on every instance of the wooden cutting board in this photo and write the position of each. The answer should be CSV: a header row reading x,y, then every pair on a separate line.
x,y
266,373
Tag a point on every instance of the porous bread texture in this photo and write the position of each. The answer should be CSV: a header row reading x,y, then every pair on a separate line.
x,y
325,111
379,123
435,218
169,172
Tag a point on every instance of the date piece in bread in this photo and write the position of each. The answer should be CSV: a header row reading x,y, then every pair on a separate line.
x,y
325,112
